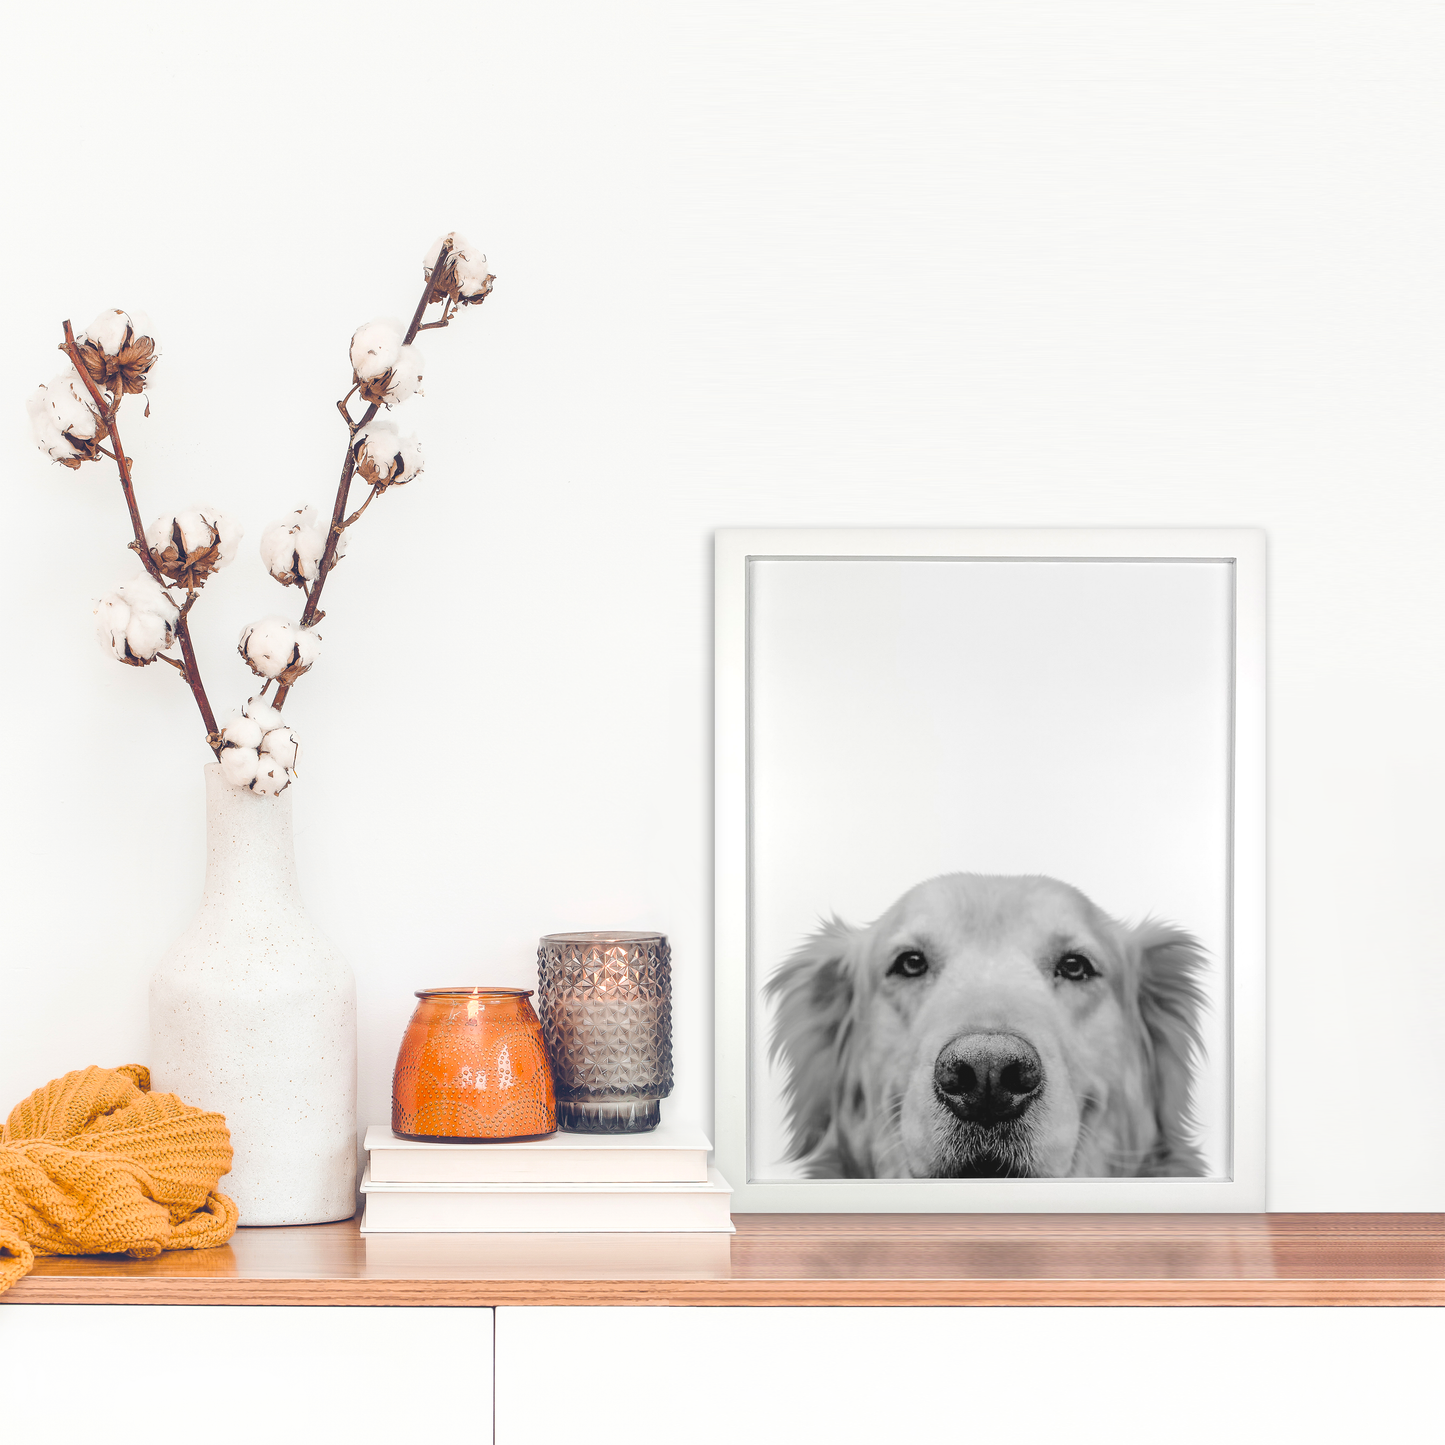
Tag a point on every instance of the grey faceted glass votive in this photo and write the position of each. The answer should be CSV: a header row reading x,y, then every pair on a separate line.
x,y
605,1000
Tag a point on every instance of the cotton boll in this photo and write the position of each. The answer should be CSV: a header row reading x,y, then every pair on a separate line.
x,y
271,777
383,458
473,278
375,348
64,421
195,528
266,717
238,766
281,745
243,732
189,546
146,634
108,331
158,534
291,547
464,278
268,646
111,617
71,404
137,620
383,368
273,648
151,628
376,447
308,648
258,750
204,526
378,430
48,435
229,534
145,594
455,239
118,351
278,551
406,377
410,457
144,591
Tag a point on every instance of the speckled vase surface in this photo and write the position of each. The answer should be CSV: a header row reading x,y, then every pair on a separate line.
x,y
253,1014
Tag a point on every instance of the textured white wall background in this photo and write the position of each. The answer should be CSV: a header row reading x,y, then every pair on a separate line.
x,y
1017,264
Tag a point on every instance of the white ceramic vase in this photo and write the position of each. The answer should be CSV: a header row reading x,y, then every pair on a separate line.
x,y
253,1014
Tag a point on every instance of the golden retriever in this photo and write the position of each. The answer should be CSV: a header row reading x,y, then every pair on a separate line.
x,y
991,1027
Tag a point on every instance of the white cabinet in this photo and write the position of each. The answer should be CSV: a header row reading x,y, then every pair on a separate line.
x,y
252,1375
267,1375
1114,1376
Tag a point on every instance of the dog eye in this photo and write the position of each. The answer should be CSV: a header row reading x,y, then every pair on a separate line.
x,y
1075,967
909,964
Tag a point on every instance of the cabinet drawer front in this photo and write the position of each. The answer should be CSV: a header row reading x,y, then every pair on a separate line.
x,y
1114,1376
262,1375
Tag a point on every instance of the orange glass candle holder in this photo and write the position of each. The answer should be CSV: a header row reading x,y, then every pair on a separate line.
x,y
472,1067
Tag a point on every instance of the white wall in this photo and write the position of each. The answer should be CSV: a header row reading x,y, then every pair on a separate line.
x,y
758,265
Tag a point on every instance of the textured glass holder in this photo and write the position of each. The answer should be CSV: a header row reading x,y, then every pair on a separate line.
x,y
606,1006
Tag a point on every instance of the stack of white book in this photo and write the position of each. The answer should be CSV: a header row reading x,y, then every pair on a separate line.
x,y
655,1183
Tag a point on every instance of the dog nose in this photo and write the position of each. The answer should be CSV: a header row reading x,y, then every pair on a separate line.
x,y
988,1078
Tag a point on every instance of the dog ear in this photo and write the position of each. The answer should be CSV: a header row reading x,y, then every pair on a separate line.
x,y
811,1028
1171,999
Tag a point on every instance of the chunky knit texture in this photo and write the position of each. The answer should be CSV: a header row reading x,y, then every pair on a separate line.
x,y
93,1163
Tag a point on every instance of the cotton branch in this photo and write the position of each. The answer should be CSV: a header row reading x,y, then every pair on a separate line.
x,y
191,671
436,288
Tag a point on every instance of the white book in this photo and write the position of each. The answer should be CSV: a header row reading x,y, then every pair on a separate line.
x,y
469,1208
669,1154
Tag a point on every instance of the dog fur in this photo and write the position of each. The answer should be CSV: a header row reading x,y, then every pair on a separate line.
x,y
861,1041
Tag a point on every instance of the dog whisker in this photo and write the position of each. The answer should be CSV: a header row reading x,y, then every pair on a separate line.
x,y
894,1149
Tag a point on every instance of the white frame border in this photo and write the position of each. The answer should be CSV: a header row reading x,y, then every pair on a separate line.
x,y
1245,1189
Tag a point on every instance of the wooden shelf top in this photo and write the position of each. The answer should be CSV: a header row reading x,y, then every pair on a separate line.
x,y
800,1259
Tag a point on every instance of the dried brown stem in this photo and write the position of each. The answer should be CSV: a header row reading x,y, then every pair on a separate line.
x,y
375,492
191,671
310,615
449,309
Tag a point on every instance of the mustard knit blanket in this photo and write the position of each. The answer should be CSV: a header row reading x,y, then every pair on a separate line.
x,y
93,1163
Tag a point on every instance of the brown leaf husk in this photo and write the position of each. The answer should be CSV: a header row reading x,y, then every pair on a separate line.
x,y
445,284
288,674
126,371
188,569
373,391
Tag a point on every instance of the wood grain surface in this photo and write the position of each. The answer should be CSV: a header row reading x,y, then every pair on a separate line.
x,y
816,1259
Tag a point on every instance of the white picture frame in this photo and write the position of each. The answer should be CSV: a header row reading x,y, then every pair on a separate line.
x,y
1240,1183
